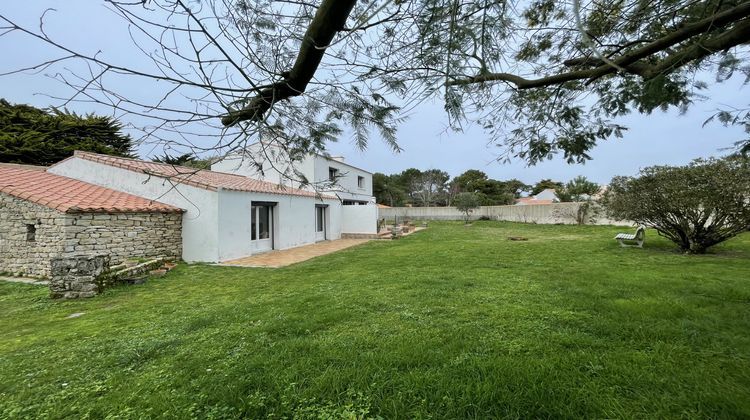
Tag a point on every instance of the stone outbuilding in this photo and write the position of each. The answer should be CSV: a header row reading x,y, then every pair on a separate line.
x,y
44,216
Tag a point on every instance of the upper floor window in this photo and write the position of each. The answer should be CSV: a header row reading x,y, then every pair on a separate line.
x,y
333,173
361,181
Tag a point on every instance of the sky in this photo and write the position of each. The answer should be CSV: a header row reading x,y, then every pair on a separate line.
x,y
662,138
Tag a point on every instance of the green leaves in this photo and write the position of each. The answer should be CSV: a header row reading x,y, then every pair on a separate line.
x,y
43,137
695,206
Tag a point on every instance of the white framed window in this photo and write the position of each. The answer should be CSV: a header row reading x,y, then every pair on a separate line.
x,y
361,181
333,173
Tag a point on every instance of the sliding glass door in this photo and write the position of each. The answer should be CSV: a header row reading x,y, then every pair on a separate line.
x,y
261,229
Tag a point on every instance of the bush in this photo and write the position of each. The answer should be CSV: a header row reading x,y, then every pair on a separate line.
x,y
695,206
467,202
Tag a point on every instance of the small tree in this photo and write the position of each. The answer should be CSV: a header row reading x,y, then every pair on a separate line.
x,y
466,203
578,189
695,206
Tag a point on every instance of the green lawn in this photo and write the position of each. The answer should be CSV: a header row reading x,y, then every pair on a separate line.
x,y
452,322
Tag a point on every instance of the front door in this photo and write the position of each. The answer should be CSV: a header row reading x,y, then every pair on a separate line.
x,y
320,224
261,228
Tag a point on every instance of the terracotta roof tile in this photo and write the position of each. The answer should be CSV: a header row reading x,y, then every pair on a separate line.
x,y
71,195
200,178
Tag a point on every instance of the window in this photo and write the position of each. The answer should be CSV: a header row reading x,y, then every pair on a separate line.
x,y
319,221
30,233
332,174
361,181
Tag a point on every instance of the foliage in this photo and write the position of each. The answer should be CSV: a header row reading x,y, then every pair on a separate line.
x,y
542,78
429,187
544,185
387,189
42,137
736,117
578,189
186,159
467,202
695,206
457,323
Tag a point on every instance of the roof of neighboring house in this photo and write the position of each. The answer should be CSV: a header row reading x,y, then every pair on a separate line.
x,y
200,178
383,206
70,195
532,200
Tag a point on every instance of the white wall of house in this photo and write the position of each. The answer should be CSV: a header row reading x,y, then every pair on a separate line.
x,y
313,167
359,219
275,163
548,194
293,221
347,184
200,237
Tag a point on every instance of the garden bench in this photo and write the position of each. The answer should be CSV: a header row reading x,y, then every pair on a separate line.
x,y
638,237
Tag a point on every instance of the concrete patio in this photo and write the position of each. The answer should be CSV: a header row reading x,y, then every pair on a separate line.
x,y
282,258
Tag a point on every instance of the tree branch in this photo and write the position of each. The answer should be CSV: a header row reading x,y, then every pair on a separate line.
x,y
329,19
629,61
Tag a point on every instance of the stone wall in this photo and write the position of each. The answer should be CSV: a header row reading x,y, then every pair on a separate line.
x,y
56,234
77,276
124,235
19,254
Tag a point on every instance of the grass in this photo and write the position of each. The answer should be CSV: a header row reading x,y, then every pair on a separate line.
x,y
452,322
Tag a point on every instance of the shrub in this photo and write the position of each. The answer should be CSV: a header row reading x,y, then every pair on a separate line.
x,y
695,206
467,202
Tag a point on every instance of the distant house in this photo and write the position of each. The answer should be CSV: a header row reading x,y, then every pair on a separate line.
x,y
547,196
44,216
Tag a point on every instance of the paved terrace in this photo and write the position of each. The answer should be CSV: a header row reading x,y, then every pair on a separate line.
x,y
282,258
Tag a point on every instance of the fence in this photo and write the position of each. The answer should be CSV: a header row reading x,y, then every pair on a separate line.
x,y
536,213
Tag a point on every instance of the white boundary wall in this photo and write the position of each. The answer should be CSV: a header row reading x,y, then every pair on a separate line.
x,y
533,213
359,219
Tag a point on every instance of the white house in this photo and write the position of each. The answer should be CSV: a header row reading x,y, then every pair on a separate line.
x,y
226,216
330,174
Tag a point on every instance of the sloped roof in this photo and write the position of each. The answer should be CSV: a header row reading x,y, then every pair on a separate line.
x,y
532,200
200,178
70,195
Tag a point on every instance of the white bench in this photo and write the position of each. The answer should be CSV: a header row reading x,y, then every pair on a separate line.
x,y
638,237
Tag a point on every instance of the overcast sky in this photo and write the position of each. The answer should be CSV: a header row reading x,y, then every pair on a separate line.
x,y
660,138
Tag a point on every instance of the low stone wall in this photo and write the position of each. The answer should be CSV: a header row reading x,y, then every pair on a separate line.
x,y
22,253
77,276
537,213
124,235
359,236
